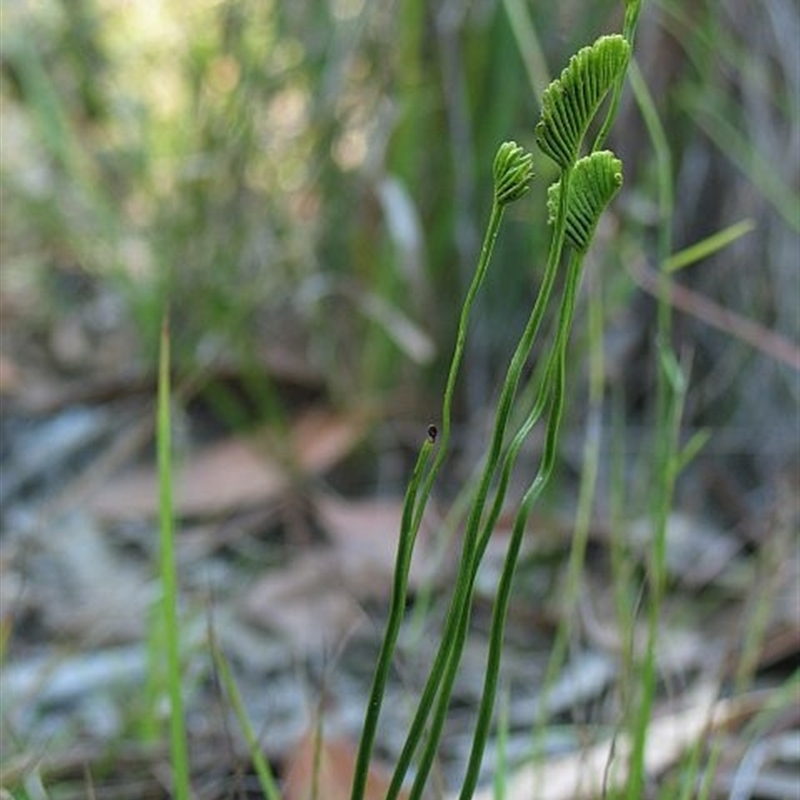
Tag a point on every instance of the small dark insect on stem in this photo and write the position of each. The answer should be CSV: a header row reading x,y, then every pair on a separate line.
x,y
433,432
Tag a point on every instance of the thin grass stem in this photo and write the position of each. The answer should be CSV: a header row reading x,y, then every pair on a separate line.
x,y
266,779
169,600
667,421
487,248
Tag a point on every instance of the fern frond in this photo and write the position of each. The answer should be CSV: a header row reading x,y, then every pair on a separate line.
x,y
571,101
513,172
595,180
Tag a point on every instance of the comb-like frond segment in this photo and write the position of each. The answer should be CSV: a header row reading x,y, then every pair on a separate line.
x,y
570,101
595,181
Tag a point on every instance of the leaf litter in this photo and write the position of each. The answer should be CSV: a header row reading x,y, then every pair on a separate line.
x,y
299,618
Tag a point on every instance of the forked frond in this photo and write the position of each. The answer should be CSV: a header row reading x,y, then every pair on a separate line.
x,y
595,180
571,101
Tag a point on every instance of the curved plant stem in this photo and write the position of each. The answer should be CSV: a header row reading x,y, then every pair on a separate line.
x,y
435,698
414,509
553,384
492,230
405,549
434,679
512,171
589,472
632,12
668,409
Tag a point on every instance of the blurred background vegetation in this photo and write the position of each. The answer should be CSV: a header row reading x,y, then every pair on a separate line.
x,y
305,185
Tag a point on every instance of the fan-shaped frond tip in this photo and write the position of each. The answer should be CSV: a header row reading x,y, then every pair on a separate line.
x,y
595,180
570,101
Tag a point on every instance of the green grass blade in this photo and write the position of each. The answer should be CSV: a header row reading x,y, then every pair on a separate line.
x,y
709,246
169,592
530,49
767,177
266,780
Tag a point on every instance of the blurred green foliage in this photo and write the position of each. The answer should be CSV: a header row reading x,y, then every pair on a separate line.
x,y
315,175
256,161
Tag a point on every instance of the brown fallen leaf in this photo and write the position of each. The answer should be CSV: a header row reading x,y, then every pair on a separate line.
x,y
308,602
9,376
323,770
224,476
365,534
236,473
320,438
315,599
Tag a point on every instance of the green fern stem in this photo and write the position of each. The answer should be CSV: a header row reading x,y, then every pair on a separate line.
x,y
429,693
512,171
510,184
405,549
553,384
576,218
492,231
438,690
632,10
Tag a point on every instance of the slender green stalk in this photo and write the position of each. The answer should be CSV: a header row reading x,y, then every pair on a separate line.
x,y
632,10
437,670
708,246
691,769
486,252
554,381
501,771
512,173
657,575
169,599
589,473
459,636
454,637
624,591
405,549
149,728
444,669
667,421
492,230
316,767
591,449
266,780
486,710
755,624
